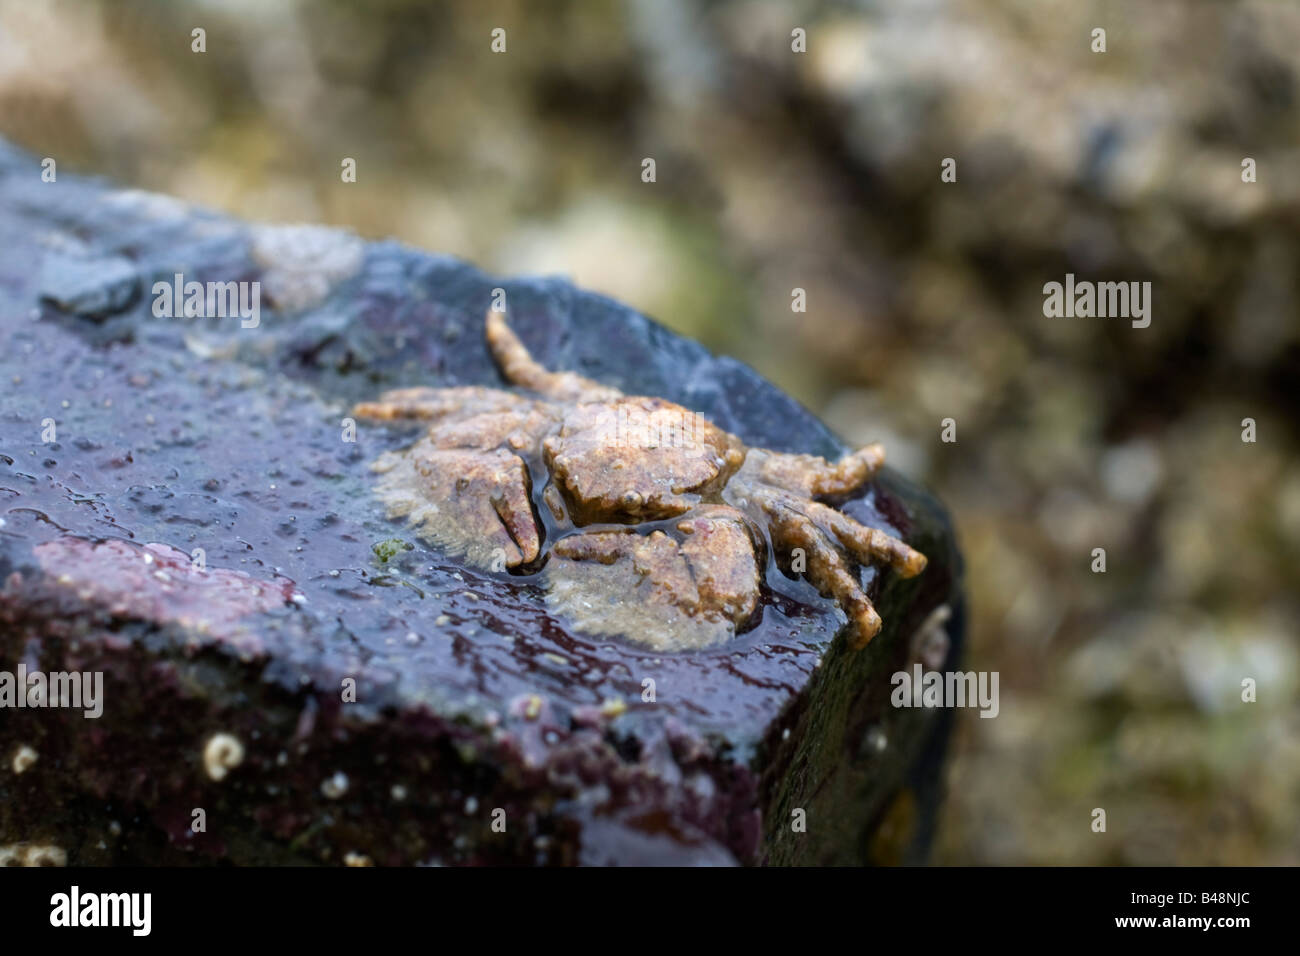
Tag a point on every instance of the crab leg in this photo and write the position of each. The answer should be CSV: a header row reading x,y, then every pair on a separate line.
x,y
870,545
810,475
433,403
827,569
519,368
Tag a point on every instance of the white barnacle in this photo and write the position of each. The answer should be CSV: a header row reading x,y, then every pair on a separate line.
x,y
335,786
44,854
222,754
303,263
930,642
24,757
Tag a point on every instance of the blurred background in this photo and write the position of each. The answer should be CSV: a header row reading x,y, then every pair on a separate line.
x,y
821,171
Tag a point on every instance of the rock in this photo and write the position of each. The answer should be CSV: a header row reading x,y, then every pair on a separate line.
x,y
92,287
184,515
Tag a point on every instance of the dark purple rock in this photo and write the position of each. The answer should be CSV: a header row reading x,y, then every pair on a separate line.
x,y
175,434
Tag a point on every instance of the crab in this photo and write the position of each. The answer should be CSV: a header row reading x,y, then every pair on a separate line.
x,y
660,522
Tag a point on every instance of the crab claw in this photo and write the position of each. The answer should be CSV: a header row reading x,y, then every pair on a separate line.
x,y
474,503
657,589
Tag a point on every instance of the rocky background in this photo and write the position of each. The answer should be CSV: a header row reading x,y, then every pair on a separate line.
x,y
820,171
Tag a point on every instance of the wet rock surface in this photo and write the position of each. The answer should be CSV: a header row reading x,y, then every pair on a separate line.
x,y
183,513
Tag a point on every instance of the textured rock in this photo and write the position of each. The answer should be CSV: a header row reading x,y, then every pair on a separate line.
x,y
90,286
178,434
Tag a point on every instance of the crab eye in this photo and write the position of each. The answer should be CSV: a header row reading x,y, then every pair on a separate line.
x,y
631,500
